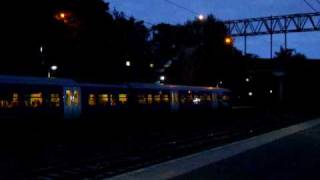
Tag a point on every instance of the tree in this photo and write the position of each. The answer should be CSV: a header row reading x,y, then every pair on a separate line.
x,y
197,50
82,37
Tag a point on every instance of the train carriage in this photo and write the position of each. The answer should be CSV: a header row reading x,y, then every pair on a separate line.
x,y
65,98
34,97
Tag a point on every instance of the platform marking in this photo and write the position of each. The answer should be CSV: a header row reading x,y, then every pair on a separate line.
x,y
193,162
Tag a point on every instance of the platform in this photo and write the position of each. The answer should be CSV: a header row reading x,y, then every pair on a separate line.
x,y
288,153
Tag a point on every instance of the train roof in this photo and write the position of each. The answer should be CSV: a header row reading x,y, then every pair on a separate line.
x,y
174,87
119,86
69,82
36,80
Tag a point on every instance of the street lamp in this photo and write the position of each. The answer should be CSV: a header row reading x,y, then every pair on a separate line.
x,y
228,41
247,79
64,16
162,78
201,17
41,49
52,69
128,63
250,94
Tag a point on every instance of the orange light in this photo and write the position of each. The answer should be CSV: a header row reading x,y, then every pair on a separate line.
x,y
62,15
228,40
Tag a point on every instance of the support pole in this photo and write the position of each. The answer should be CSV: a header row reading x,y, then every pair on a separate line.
x,y
271,46
245,45
285,41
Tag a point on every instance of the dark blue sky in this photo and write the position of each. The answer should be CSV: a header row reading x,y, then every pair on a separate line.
x,y
156,11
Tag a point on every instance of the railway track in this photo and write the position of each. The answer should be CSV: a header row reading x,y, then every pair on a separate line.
x,y
103,166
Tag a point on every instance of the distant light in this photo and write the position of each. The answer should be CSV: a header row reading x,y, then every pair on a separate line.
x,y
250,94
151,65
196,100
62,15
41,49
201,17
228,40
162,78
271,91
54,68
128,63
219,83
247,79
189,92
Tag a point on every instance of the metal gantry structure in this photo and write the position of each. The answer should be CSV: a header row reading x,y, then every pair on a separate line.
x,y
305,22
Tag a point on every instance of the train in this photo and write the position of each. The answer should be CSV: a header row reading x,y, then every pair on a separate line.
x,y
22,96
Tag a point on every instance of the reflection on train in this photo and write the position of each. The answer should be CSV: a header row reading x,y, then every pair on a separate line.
x,y
28,96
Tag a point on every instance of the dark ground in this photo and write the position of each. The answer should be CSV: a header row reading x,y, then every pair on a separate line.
x,y
32,146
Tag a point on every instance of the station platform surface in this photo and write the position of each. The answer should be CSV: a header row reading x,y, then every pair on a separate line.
x,y
288,153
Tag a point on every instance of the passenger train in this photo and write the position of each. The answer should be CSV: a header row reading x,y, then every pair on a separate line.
x,y
68,99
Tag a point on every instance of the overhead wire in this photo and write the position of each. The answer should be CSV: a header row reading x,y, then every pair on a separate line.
x,y
181,7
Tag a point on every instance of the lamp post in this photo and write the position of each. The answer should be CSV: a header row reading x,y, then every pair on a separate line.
x,y
51,70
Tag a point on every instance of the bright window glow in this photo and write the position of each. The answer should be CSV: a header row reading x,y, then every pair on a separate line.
x,y
55,100
92,100
123,98
128,63
54,68
103,99
196,100
35,100
162,78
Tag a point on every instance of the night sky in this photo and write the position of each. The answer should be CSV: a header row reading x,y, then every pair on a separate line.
x,y
157,11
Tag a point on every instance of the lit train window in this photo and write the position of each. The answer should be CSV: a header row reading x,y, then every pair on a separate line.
x,y
113,100
196,100
92,100
157,98
165,98
68,98
55,100
103,99
9,101
208,97
226,98
141,99
76,97
150,99
34,100
15,100
123,98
